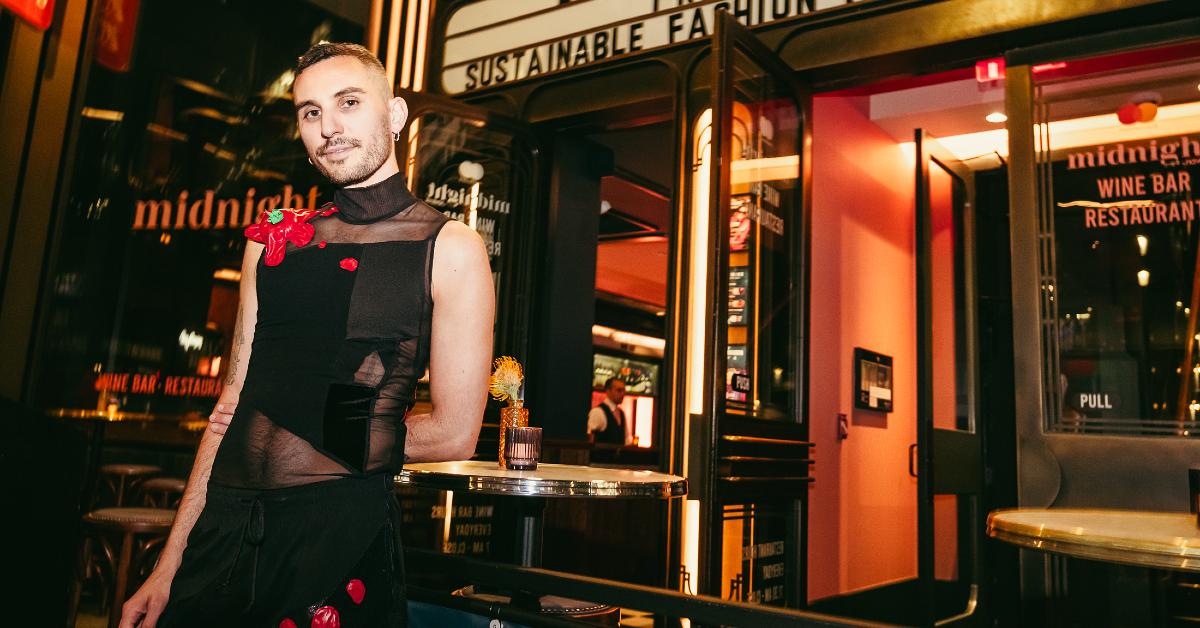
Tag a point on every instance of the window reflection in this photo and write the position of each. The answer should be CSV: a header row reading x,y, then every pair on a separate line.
x,y
1119,152
185,132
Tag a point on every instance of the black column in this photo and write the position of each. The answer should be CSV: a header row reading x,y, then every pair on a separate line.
x,y
560,373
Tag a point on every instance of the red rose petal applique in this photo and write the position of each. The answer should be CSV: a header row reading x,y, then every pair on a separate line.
x,y
331,209
326,617
287,623
321,244
278,227
357,590
349,263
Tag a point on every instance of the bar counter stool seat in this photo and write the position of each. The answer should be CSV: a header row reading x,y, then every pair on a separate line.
x,y
142,531
162,492
123,478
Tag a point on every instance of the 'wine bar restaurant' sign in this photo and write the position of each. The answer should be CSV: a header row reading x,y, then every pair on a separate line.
x,y
497,42
1129,184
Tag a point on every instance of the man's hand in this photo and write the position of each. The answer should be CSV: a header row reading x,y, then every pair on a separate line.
x,y
144,608
221,416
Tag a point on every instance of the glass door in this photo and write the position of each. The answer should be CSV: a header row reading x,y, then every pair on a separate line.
x,y
481,169
749,457
948,452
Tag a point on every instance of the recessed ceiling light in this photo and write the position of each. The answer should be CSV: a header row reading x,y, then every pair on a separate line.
x,y
995,117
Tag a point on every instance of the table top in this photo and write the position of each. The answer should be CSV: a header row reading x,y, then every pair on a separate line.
x,y
548,480
1165,540
83,414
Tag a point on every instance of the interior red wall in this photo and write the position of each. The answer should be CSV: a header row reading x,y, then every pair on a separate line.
x,y
862,516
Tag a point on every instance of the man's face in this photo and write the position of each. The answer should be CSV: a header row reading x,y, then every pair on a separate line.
x,y
346,116
616,392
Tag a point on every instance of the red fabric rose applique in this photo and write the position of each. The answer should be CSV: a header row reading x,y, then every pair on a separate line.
x,y
348,263
287,623
326,617
357,590
279,226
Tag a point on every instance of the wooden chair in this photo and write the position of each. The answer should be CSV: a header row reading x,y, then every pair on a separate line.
x,y
141,533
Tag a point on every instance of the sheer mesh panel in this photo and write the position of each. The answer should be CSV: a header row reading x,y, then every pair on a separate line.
x,y
337,351
258,453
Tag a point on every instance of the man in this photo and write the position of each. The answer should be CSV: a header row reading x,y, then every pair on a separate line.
x,y
606,422
289,519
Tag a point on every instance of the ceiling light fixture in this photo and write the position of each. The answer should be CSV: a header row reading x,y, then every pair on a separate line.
x,y
995,117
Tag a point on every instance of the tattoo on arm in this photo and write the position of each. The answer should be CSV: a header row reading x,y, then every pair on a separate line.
x,y
235,353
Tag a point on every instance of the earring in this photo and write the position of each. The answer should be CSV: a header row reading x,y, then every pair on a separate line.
x,y
310,161
396,136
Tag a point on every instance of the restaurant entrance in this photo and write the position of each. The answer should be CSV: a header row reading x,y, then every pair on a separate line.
x,y
744,445
767,175
896,512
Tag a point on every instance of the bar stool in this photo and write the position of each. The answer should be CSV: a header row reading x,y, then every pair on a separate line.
x,y
123,479
162,492
143,531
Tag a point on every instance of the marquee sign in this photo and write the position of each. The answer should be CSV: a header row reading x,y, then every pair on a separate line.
x,y
495,42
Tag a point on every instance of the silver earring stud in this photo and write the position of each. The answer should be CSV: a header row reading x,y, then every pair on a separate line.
x,y
396,136
310,161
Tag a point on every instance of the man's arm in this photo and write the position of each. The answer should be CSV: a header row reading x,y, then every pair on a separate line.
x,y
596,421
464,313
147,604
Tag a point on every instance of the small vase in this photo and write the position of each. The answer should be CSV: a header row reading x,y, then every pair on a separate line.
x,y
513,415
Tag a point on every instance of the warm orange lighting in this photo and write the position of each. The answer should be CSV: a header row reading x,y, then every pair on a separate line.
x,y
448,511
108,115
629,338
764,169
227,274
643,429
698,267
691,544
1179,119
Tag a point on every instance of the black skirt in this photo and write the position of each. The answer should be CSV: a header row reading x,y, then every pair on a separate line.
x,y
323,554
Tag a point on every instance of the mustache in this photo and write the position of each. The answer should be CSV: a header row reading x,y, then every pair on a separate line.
x,y
338,143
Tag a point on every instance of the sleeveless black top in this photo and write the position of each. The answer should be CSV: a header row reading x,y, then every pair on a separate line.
x,y
341,337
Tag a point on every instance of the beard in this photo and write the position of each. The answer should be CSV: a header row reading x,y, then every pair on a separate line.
x,y
358,165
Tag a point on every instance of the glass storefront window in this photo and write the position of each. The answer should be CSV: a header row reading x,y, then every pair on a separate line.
x,y
482,175
1118,160
186,130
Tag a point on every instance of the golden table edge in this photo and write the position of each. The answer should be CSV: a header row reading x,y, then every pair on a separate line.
x,y
98,415
1108,548
497,481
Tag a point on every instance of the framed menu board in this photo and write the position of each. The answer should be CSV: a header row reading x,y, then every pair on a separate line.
x,y
872,380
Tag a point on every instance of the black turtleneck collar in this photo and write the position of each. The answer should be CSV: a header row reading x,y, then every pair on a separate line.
x,y
375,202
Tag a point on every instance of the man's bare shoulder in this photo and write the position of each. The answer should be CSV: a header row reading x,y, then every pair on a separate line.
x,y
458,244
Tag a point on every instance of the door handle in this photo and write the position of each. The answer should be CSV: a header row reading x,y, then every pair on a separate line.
x,y
912,470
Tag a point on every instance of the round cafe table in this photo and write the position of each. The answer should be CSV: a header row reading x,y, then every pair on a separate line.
x,y
548,480
1160,540
533,487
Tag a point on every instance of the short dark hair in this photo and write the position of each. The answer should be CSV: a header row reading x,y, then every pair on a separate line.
x,y
609,382
328,50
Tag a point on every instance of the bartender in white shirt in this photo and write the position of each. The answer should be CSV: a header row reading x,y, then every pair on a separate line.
x,y
606,422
